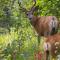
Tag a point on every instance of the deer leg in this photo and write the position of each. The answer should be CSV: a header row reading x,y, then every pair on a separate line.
x,y
38,40
47,55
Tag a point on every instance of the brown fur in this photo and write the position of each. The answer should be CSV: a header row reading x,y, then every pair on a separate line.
x,y
53,40
41,24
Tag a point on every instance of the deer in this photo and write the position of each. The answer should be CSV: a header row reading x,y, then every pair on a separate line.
x,y
54,42
44,25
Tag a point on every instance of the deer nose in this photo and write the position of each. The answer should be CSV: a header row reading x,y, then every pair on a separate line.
x,y
30,18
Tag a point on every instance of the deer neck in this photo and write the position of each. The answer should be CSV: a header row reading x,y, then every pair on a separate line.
x,y
34,20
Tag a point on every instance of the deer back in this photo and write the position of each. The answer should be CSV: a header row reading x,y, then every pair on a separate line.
x,y
43,24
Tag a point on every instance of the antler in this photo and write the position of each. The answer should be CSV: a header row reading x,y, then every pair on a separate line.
x,y
33,8
22,8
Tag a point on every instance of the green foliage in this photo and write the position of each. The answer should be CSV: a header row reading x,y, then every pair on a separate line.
x,y
49,7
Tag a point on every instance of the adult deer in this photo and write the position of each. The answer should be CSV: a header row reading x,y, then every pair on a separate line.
x,y
44,25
